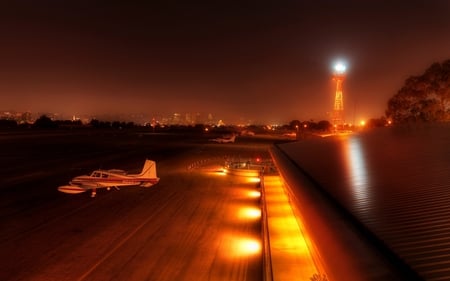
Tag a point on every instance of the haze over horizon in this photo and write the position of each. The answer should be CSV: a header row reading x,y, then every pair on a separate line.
x,y
266,61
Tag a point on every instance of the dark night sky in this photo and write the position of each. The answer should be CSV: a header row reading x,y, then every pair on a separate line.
x,y
259,60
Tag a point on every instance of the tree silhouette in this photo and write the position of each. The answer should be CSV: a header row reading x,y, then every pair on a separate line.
x,y
423,98
44,122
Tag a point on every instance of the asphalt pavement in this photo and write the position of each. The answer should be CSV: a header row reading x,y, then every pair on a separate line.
x,y
195,224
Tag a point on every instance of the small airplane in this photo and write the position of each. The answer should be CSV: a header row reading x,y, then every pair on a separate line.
x,y
112,178
224,139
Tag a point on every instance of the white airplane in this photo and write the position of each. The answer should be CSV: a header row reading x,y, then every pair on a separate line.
x,y
225,139
112,178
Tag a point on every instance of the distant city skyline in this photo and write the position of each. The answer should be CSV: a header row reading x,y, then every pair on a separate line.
x,y
176,118
266,61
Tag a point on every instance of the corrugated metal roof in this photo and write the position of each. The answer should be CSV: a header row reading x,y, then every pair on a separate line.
x,y
396,182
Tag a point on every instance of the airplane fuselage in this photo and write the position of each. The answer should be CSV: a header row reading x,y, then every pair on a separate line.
x,y
104,179
111,178
109,181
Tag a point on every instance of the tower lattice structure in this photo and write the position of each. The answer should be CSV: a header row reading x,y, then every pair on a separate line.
x,y
338,109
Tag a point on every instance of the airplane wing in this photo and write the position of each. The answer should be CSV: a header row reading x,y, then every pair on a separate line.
x,y
72,189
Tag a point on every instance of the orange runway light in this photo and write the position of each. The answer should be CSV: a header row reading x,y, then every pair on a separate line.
x,y
236,246
254,180
218,172
248,246
249,213
254,194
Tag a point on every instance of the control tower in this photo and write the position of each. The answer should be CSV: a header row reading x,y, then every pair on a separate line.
x,y
337,119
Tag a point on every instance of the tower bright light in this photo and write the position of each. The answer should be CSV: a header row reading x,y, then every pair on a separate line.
x,y
340,67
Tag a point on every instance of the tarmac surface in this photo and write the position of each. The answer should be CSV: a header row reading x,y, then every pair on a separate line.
x,y
197,223
193,225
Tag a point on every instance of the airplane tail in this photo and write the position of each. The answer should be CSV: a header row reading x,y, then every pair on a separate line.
x,y
148,174
149,170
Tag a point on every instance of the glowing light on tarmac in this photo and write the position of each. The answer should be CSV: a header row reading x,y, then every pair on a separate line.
x,y
249,213
218,172
254,179
248,246
254,194
245,193
243,247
